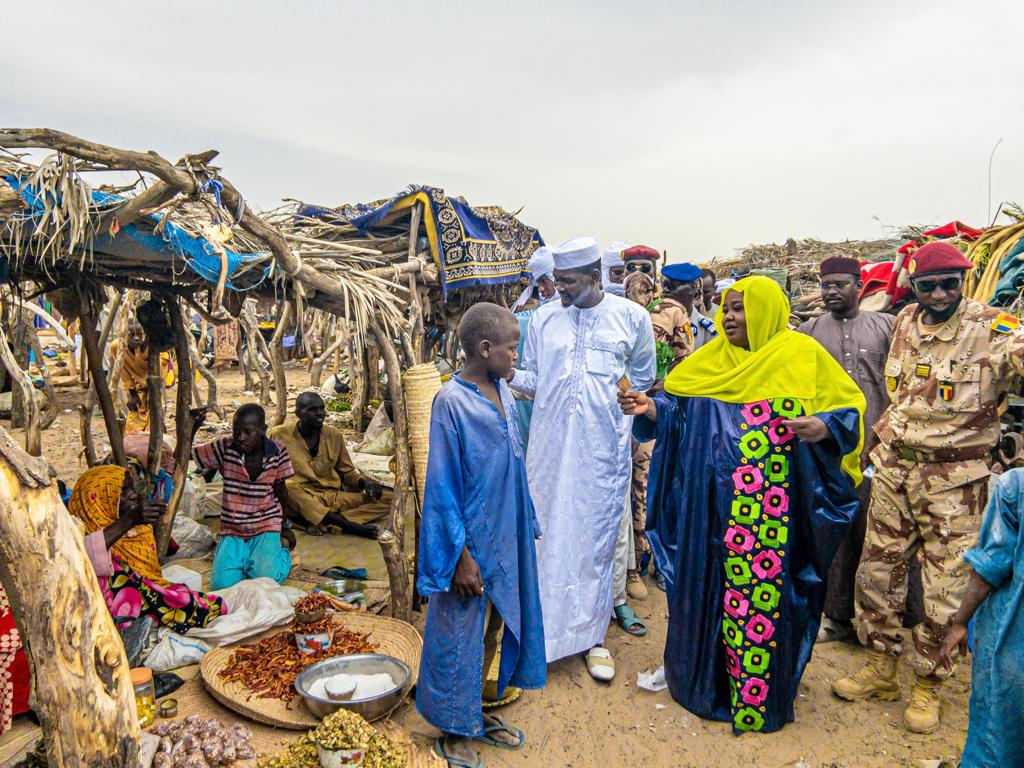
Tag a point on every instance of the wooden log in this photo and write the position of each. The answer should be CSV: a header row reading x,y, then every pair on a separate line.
x,y
182,429
83,694
277,363
392,537
18,338
94,358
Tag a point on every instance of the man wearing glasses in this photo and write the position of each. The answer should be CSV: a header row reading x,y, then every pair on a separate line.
x,y
947,375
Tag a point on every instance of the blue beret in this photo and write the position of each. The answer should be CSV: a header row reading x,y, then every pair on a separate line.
x,y
681,273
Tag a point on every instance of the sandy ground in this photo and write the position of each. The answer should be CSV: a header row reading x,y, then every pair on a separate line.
x,y
578,722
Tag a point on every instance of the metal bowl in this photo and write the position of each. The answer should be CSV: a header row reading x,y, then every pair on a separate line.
x,y
356,664
341,587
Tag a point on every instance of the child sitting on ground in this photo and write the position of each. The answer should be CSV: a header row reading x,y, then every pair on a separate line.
x,y
477,556
254,468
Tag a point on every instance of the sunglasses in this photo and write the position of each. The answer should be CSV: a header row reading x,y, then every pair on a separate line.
x,y
924,285
640,266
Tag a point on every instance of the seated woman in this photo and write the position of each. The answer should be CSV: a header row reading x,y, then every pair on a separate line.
x,y
750,493
111,502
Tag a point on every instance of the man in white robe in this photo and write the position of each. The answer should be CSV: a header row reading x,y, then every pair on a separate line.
x,y
578,463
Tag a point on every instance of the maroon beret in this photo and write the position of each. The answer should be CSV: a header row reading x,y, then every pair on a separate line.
x,y
640,252
937,256
840,265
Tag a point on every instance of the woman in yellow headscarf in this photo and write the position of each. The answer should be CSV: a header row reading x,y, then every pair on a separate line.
x,y
750,492
111,503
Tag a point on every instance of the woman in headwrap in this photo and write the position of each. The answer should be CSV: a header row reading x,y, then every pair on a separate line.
x,y
111,502
750,493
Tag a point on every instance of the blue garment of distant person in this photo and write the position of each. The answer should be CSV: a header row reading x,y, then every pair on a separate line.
x,y
476,496
995,736
524,408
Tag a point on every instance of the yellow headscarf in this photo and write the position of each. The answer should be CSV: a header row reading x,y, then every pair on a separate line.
x,y
94,500
779,363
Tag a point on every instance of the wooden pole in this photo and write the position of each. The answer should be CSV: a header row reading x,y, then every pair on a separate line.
x,y
94,358
182,427
277,363
247,320
155,389
33,436
415,307
356,379
83,694
318,365
392,537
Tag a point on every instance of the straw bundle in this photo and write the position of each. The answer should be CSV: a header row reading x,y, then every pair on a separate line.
x,y
421,383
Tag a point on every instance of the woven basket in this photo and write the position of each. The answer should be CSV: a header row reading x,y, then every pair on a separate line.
x,y
390,636
420,383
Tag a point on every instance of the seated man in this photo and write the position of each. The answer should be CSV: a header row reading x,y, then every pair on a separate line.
x,y
327,489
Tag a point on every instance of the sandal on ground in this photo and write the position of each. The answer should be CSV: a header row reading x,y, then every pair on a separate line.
x,y
831,631
501,725
629,621
600,664
453,761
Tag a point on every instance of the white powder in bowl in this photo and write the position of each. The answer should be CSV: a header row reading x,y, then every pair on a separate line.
x,y
367,686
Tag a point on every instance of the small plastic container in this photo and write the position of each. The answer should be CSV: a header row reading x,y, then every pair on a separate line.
x,y
145,695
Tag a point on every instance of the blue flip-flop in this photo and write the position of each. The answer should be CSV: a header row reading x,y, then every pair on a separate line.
x,y
454,762
501,725
629,621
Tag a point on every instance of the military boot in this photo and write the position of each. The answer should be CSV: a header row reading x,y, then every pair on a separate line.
x,y
922,714
876,679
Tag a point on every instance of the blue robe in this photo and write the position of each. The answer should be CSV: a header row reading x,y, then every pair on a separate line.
x,y
743,519
476,496
995,736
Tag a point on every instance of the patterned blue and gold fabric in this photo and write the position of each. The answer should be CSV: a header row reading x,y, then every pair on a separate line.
x,y
483,245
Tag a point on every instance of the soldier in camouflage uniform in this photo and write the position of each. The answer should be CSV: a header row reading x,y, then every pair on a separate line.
x,y
947,375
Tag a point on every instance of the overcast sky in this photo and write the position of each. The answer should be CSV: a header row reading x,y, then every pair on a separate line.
x,y
696,127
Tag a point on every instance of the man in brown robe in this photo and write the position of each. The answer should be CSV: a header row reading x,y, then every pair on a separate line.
x,y
859,341
327,489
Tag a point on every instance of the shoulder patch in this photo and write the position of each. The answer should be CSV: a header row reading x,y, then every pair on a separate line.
x,y
1005,323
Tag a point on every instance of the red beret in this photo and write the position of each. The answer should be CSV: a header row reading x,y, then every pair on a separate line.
x,y
640,252
937,256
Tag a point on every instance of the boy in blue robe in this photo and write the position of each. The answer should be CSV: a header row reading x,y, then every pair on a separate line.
x,y
477,558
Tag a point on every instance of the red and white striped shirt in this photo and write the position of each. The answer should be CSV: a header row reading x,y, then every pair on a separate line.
x,y
250,507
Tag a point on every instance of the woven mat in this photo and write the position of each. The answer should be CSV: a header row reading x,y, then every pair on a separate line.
x,y
390,636
20,738
193,698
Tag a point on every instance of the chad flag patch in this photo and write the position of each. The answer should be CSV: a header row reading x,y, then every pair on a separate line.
x,y
1005,323
946,391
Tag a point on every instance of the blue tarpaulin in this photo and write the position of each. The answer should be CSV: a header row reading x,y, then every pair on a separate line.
x,y
196,252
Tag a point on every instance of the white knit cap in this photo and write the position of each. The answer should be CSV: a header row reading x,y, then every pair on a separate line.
x,y
576,253
541,264
613,254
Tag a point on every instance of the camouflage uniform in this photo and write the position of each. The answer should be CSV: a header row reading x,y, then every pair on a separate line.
x,y
948,388
673,336
672,333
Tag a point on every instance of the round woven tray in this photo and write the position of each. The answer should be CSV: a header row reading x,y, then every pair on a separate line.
x,y
420,384
390,636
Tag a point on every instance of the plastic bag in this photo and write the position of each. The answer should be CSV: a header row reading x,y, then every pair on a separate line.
x,y
194,539
652,681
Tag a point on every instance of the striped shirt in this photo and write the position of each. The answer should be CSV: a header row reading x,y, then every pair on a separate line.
x,y
250,507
